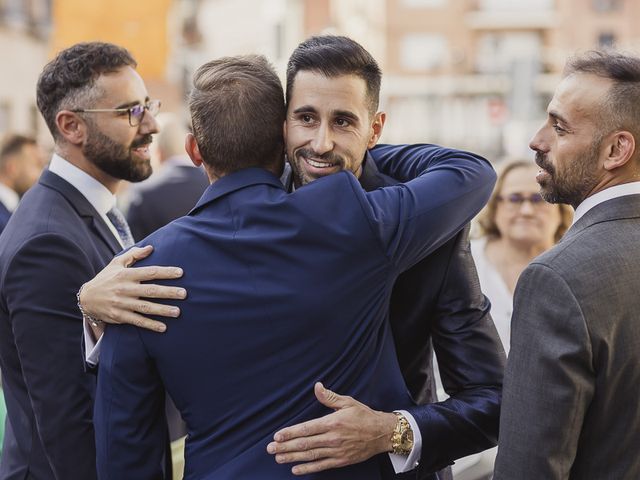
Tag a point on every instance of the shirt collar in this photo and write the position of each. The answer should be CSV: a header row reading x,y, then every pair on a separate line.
x,y
610,193
8,197
96,193
178,161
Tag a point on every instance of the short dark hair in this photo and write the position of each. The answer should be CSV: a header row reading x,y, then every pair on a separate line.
x,y
332,56
620,109
70,77
12,144
237,113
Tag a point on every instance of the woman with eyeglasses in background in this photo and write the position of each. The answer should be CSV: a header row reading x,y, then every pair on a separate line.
x,y
516,226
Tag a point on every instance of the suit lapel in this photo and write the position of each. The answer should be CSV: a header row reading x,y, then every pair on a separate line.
x,y
85,210
371,178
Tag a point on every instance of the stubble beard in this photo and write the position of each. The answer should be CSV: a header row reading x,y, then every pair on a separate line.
x,y
572,184
116,159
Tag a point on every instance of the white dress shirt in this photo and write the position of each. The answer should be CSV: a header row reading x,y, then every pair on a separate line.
x,y
96,194
496,290
610,193
8,197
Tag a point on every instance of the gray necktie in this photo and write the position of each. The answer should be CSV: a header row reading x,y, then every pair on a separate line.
x,y
121,225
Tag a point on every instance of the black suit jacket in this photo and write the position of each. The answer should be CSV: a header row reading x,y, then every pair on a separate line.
x,y
54,242
160,201
438,304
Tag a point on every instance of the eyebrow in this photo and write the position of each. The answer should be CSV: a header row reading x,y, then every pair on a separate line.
x,y
556,116
133,103
305,109
346,113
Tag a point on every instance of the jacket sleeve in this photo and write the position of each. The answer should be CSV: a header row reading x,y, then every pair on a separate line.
x,y
471,362
443,190
129,409
40,289
549,381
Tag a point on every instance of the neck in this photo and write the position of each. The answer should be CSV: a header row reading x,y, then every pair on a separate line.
x,y
520,251
75,157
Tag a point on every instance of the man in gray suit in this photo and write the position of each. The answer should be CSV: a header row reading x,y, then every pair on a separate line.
x,y
571,395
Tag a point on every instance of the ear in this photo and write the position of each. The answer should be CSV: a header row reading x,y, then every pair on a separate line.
x,y
10,168
376,128
619,150
72,128
191,146
284,132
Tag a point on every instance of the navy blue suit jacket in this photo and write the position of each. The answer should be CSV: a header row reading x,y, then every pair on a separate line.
x,y
54,242
4,216
437,304
284,290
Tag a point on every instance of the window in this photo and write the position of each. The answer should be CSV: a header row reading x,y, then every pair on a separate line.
x,y
424,3
514,6
422,51
606,39
497,52
606,5
5,117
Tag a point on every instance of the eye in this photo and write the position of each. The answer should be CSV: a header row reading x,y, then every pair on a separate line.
x,y
306,118
137,110
342,122
558,128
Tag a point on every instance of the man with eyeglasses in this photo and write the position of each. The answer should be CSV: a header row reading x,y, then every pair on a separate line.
x,y
64,231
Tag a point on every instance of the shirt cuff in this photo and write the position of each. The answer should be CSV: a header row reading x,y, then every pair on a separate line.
x,y
91,347
402,463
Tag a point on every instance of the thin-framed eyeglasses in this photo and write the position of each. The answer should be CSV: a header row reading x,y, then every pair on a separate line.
x,y
515,200
136,112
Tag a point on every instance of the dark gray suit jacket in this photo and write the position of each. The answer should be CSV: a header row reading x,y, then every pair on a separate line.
x,y
571,399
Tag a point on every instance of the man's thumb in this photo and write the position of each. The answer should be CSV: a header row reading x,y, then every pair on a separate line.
x,y
331,399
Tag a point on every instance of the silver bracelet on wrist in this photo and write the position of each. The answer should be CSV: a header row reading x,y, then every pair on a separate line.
x,y
94,322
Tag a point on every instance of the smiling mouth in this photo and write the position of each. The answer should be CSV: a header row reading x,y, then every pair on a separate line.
x,y
317,164
142,150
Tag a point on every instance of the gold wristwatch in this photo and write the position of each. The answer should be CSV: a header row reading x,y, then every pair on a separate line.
x,y
402,438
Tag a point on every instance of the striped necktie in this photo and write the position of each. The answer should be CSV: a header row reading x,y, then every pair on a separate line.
x,y
121,225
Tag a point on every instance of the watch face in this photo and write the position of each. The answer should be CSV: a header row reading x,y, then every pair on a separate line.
x,y
407,440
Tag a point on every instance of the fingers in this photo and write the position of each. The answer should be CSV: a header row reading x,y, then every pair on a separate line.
x,y
141,321
153,291
149,308
132,255
306,455
302,446
149,324
301,430
142,274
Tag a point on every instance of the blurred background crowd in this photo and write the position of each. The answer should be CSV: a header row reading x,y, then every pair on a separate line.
x,y
469,74
473,74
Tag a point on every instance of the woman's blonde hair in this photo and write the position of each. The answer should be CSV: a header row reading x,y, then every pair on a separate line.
x,y
487,217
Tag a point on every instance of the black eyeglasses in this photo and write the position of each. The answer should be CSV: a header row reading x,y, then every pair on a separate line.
x,y
136,113
517,199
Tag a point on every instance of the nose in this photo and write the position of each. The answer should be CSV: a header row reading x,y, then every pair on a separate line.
x,y
537,143
526,207
148,123
322,141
